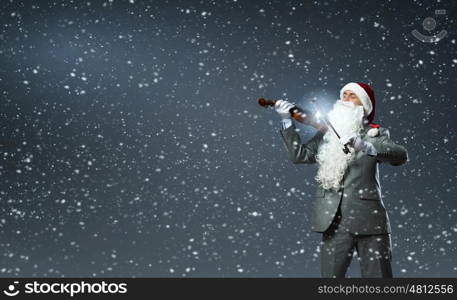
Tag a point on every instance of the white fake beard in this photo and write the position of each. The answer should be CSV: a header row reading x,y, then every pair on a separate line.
x,y
346,118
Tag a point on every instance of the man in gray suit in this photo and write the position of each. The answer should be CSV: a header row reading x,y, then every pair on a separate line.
x,y
348,209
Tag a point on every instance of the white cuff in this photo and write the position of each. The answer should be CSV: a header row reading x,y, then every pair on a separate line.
x,y
286,123
370,150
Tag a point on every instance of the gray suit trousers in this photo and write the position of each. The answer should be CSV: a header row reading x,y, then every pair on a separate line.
x,y
337,248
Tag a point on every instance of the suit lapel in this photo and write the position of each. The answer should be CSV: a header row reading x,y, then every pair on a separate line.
x,y
365,129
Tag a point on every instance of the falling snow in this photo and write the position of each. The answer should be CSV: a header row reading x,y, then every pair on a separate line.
x,y
132,143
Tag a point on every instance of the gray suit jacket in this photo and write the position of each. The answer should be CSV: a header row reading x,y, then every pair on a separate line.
x,y
362,208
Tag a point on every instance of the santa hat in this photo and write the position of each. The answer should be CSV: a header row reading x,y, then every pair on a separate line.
x,y
366,96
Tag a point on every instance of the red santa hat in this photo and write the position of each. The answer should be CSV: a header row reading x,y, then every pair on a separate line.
x,y
366,96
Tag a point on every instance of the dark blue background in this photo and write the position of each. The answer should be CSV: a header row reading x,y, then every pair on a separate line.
x,y
133,144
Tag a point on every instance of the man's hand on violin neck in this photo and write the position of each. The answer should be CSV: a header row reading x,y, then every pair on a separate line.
x,y
282,107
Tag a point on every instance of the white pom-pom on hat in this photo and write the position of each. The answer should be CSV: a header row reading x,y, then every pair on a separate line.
x,y
372,132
